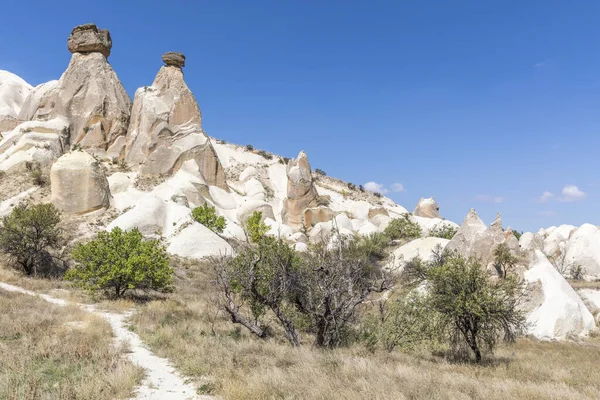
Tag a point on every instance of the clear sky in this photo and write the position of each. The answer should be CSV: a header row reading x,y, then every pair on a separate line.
x,y
485,104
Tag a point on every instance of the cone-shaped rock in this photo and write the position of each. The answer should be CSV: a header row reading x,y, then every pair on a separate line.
x,y
166,130
89,94
472,238
427,208
301,192
78,184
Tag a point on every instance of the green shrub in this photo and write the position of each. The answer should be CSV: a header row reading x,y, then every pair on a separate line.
x,y
320,172
443,231
403,228
256,227
374,245
265,154
351,186
517,234
249,147
118,261
207,216
504,261
28,233
472,312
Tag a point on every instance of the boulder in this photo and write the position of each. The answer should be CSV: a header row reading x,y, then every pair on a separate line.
x,y
377,211
301,191
78,184
173,58
583,249
422,248
249,206
427,208
313,216
561,313
197,241
88,38
166,130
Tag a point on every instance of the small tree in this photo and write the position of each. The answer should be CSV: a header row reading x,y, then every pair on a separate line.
x,y
335,279
504,261
259,278
403,228
118,261
28,233
320,172
443,231
470,310
256,227
207,216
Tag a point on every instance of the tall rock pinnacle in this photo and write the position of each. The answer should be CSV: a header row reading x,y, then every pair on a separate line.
x,y
166,127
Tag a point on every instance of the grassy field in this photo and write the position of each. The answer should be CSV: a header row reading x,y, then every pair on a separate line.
x,y
53,352
228,362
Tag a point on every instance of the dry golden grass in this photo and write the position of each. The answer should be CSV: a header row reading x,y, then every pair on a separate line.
x,y
235,365
53,352
580,284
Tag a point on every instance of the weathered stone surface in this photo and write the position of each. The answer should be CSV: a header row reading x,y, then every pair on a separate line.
x,y
166,130
249,206
173,58
301,192
39,142
91,97
583,249
427,208
78,184
472,238
88,38
377,211
313,216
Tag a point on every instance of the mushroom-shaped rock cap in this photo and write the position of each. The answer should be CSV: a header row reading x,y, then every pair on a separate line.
x,y
88,38
174,58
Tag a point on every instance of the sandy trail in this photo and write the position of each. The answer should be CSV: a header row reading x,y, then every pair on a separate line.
x,y
161,382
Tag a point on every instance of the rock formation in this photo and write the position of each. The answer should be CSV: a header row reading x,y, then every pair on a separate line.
x,y
301,191
166,128
313,216
13,92
78,184
89,94
427,208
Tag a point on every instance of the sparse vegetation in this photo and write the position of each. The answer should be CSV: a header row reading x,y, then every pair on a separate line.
x,y
504,261
255,227
207,216
28,234
119,261
323,200
577,272
265,154
403,228
202,342
320,172
249,147
377,194
53,352
351,186
35,172
443,231
284,160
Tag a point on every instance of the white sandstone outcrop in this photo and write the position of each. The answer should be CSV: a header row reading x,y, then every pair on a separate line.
x,y
301,192
583,249
422,248
13,92
78,184
561,313
427,208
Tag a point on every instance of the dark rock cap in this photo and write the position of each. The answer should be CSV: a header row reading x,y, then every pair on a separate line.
x,y
88,38
174,58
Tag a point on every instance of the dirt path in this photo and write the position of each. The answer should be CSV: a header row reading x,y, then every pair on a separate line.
x,y
162,381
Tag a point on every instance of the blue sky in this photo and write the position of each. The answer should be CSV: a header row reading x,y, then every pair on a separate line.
x,y
485,104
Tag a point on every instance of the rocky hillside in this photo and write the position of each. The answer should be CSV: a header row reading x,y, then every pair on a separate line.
x,y
146,163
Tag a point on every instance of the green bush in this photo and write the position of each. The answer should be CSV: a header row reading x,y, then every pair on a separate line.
x,y
403,228
472,312
118,261
265,154
374,245
443,231
207,216
249,147
28,233
320,172
255,227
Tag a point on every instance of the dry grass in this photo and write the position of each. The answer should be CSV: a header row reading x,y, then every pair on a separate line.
x,y
53,352
581,284
235,365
